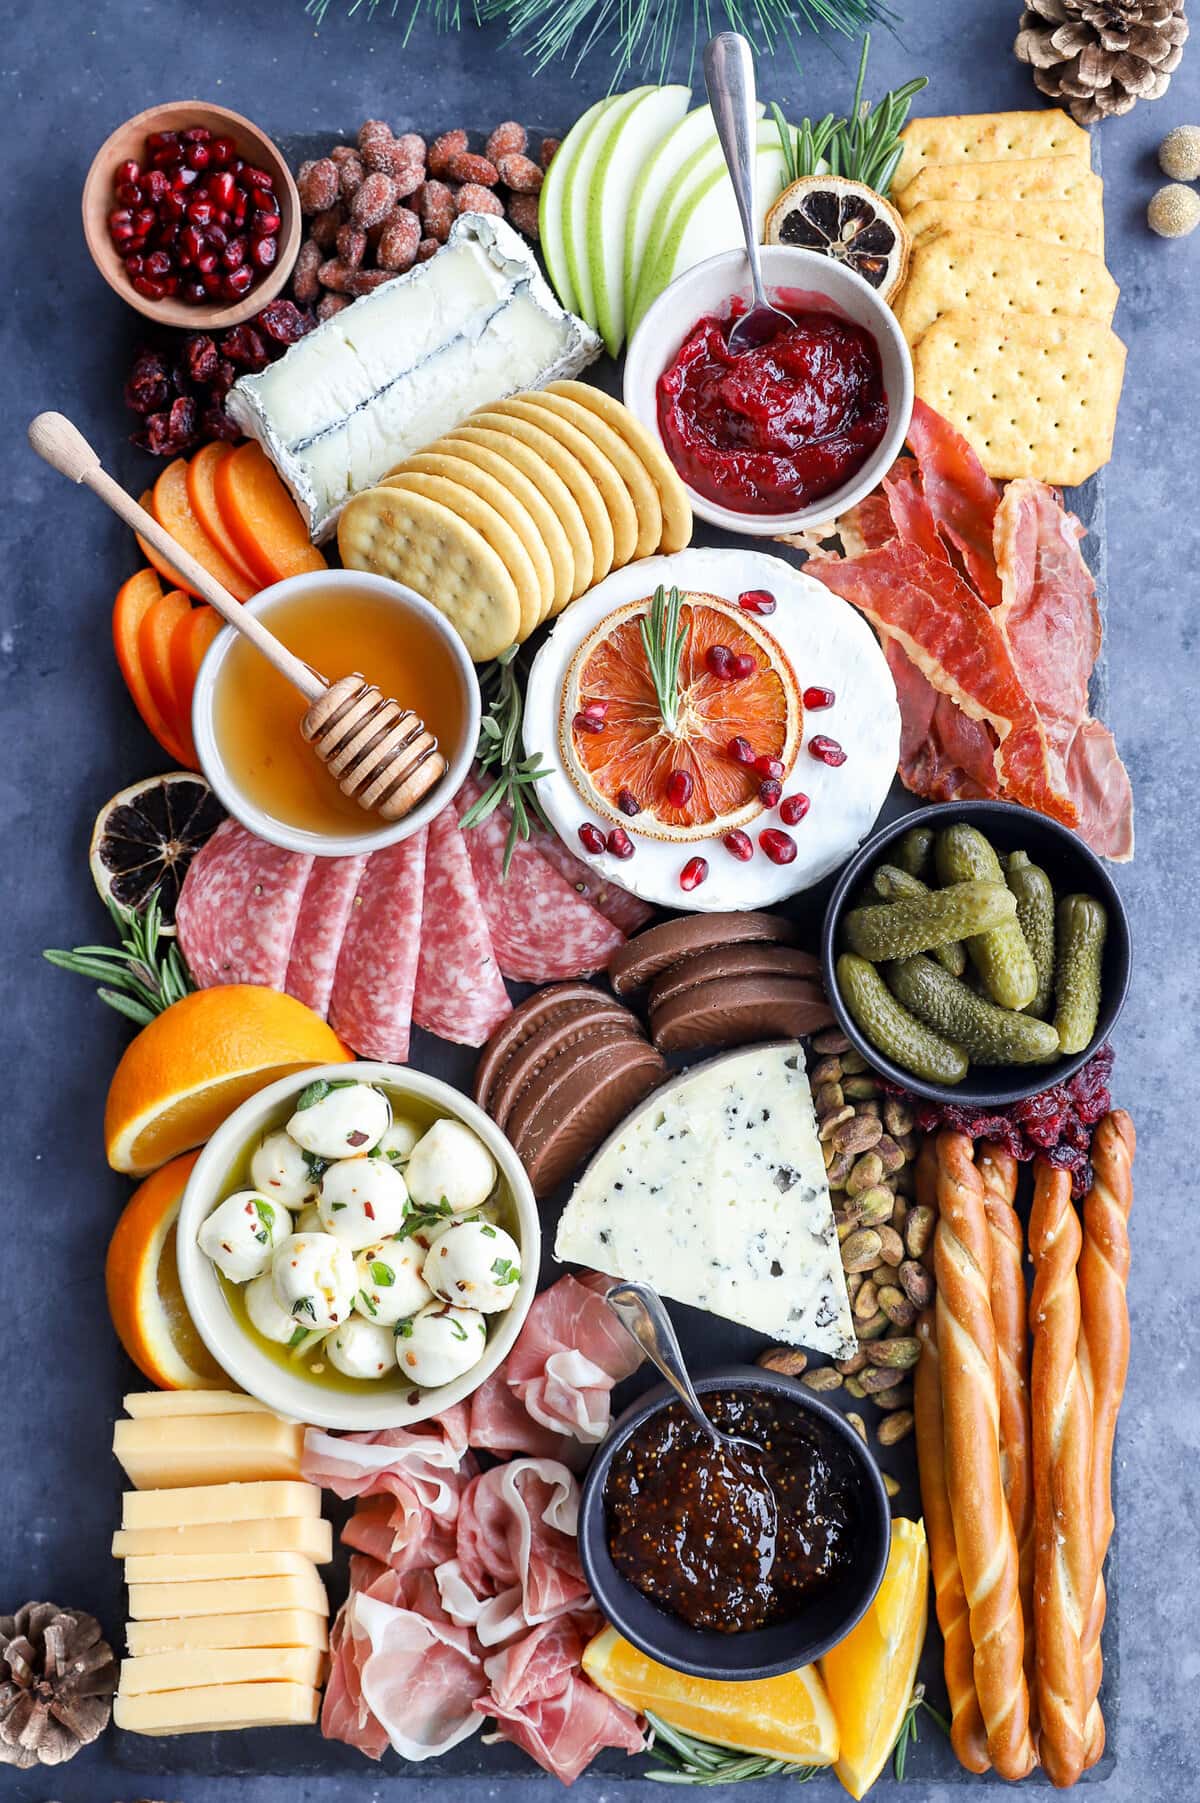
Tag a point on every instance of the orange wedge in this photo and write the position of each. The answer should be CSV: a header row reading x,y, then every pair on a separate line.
x,y
870,1675
144,1298
780,1718
635,751
199,1060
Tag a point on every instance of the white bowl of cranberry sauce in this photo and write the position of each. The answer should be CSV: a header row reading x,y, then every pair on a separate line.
x,y
790,435
191,215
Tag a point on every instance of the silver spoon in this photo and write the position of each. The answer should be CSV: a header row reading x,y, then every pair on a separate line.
x,y
729,78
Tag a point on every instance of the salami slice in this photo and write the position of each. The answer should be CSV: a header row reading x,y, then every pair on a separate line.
x,y
237,911
629,912
460,993
324,910
371,1005
542,929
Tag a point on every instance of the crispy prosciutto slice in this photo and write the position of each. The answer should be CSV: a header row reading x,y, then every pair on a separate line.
x,y
943,627
944,756
962,497
460,994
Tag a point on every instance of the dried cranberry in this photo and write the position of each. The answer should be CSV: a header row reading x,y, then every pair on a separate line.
x,y
679,788
816,699
739,844
793,809
768,766
149,386
628,802
778,846
591,838
224,379
283,321
693,874
201,358
720,662
620,844
740,750
243,345
769,791
826,750
757,601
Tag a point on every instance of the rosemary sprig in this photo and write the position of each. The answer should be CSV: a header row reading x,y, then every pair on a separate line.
x,y
909,1732
499,751
663,638
864,147
685,1760
141,976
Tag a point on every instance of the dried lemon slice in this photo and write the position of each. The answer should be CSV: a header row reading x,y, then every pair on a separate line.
x,y
847,221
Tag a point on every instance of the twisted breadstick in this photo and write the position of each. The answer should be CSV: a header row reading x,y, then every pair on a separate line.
x,y
968,1736
998,1169
1104,1359
1064,1558
983,1530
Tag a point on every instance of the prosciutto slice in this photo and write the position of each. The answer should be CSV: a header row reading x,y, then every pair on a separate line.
x,y
961,496
944,755
569,1354
517,1560
421,1472
460,994
372,1000
238,907
399,1533
541,1700
324,910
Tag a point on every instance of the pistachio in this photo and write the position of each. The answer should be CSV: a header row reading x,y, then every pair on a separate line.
x,y
897,1116
902,1353
838,1167
869,1107
845,1225
858,1424
853,1063
899,1397
897,1427
854,1388
889,1152
874,1329
832,1122
872,1209
825,1070
855,1363
832,1040
895,1305
867,1172
858,1134
860,1251
890,1484
918,1230
882,1274
854,1283
823,1378
916,1282
826,1098
879,1378
899,1215
789,1361
866,1303
858,1089
891,1246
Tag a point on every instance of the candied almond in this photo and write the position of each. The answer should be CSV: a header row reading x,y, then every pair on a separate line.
x,y
398,242
324,228
471,198
509,139
450,144
365,281
436,209
428,247
549,146
305,286
520,174
411,145
351,175
351,245
318,186
329,304
408,175
341,153
466,167
336,275
374,200
523,212
374,143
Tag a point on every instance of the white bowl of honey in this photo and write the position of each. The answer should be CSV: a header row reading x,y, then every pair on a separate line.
x,y
246,717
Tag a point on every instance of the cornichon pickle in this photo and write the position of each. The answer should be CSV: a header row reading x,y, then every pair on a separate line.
x,y
1082,927
917,923
890,883
914,852
1001,956
988,1035
891,1029
1035,917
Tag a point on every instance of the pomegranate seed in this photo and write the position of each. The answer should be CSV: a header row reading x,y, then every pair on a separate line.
x,y
769,791
191,243
826,751
720,662
256,178
619,843
740,750
200,210
693,873
815,699
744,665
264,224
197,292
206,262
170,283
595,710
171,206
214,283
240,209
196,134
757,601
262,252
128,171
158,265
793,810
679,788
120,225
778,847
216,237
222,151
591,838
162,140
150,289
238,282
197,156
221,189
628,802
768,766
133,265
234,253
183,178
154,185
739,844
585,722
129,194
145,219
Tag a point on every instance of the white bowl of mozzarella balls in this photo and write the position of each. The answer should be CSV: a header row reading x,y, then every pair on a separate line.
x,y
358,1246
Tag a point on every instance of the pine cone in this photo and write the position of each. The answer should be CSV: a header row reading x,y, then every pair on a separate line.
x,y
1102,56
57,1677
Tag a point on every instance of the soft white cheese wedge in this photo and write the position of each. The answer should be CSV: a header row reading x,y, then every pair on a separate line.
x,y
402,366
714,1191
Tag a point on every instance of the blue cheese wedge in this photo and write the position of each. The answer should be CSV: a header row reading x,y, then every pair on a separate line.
x,y
714,1191
406,364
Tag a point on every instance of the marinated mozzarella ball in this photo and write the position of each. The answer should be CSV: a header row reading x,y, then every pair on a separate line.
x,y
390,1285
450,1164
475,1264
314,1278
440,1343
279,1169
399,1140
266,1316
362,1200
241,1234
309,1220
361,1349
344,1120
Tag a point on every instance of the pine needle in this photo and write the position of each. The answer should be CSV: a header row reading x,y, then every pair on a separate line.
x,y
499,751
663,638
142,975
863,147
909,1731
682,1759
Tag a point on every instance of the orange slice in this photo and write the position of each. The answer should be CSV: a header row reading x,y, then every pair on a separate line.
x,y
635,751
780,1718
199,1060
870,1675
145,1301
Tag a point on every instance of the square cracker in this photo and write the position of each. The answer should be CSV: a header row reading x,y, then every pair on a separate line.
x,y
990,138
985,271
1036,396
1049,221
1027,178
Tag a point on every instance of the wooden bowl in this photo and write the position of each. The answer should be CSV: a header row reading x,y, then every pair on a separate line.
x,y
129,140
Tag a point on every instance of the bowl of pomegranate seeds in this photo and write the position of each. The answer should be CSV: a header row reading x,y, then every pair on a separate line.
x,y
191,215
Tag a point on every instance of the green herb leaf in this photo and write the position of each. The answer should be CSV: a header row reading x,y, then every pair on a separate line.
x,y
298,1338
403,1330
382,1274
304,1305
458,1330
505,1271
663,638
142,975
498,754
863,147
682,1759
367,1303
315,1165
265,1212
311,1094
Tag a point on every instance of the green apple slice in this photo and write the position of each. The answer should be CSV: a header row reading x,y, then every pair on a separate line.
x,y
630,141
581,191
552,205
706,223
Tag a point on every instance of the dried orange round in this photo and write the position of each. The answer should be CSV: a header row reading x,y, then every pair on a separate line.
x,y
680,776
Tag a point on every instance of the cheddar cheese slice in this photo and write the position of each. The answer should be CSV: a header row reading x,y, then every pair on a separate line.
x,y
146,1404
191,1504
160,1453
194,1568
204,1666
211,1707
234,1596
306,1534
268,1628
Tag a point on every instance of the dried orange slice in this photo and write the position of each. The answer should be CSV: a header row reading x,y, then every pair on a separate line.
x,y
634,755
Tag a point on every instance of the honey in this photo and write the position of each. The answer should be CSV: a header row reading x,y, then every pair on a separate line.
x,y
257,713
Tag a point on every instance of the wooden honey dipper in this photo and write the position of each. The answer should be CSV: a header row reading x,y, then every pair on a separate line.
x,y
378,752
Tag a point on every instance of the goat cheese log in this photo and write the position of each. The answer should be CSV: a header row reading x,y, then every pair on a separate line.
x,y
983,1530
1104,1360
1064,1557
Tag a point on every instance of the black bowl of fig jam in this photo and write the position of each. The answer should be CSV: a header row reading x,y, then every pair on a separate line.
x,y
734,1566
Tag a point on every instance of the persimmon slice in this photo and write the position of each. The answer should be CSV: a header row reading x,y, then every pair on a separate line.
x,y
262,519
173,511
202,493
167,571
635,752
154,648
133,602
189,641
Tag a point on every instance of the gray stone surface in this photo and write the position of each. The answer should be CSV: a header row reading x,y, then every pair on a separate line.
x,y
71,739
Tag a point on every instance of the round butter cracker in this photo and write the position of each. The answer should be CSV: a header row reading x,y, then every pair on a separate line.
x,y
438,462
672,495
569,469
633,473
492,527
516,455
551,535
618,504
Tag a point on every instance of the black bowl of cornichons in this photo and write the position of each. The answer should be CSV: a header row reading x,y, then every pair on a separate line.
x,y
734,1565
976,952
